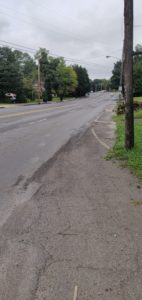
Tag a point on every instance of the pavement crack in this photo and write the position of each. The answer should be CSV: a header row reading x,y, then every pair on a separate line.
x,y
89,267
18,181
56,261
67,234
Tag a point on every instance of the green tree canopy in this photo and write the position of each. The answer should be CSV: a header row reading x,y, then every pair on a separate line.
x,y
67,80
17,73
58,78
83,86
100,84
137,71
116,73
10,73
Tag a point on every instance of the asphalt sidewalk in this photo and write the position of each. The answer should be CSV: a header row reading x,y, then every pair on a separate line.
x,y
81,228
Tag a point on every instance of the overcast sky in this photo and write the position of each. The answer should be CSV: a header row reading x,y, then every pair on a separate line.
x,y
84,31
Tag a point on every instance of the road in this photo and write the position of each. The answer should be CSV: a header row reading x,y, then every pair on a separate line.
x,y
30,136
72,220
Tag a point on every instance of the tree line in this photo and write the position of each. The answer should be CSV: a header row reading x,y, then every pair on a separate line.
x,y
19,75
100,84
137,73
115,81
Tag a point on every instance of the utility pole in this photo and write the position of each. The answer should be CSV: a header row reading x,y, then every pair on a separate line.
x,y
128,74
122,73
39,81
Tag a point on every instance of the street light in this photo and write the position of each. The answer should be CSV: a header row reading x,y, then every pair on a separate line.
x,y
109,56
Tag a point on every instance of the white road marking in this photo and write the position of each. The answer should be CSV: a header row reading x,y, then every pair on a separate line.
x,y
99,116
75,293
39,121
24,113
99,140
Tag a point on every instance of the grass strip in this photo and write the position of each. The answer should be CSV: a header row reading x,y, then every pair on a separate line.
x,y
131,158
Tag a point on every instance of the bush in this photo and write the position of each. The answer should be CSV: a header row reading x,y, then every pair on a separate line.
x,y
120,108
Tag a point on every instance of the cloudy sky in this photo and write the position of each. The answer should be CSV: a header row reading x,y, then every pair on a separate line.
x,y
83,31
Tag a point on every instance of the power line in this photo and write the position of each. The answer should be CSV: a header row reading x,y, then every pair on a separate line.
x,y
37,5
41,23
138,26
34,50
18,45
50,26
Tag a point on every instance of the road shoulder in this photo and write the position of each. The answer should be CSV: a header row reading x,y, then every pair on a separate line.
x,y
82,228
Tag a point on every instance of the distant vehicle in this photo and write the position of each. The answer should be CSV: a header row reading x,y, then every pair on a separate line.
x,y
11,96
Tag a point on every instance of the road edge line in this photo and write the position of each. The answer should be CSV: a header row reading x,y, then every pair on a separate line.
x,y
75,293
99,140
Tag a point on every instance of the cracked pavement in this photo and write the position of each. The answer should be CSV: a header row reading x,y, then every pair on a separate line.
x,y
80,228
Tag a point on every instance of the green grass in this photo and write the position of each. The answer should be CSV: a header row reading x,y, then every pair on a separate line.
x,y
137,115
55,99
36,101
9,103
132,158
138,99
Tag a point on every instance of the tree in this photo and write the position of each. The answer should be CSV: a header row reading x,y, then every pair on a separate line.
x,y
116,74
42,57
67,80
58,78
97,85
48,68
10,74
29,72
83,86
106,84
137,71
52,77
100,84
20,74
17,74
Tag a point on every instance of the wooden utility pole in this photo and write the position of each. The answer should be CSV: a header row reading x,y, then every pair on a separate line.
x,y
128,74
122,73
39,81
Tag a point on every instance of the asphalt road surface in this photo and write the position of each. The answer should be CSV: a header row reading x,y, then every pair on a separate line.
x,y
46,200
31,135
74,220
